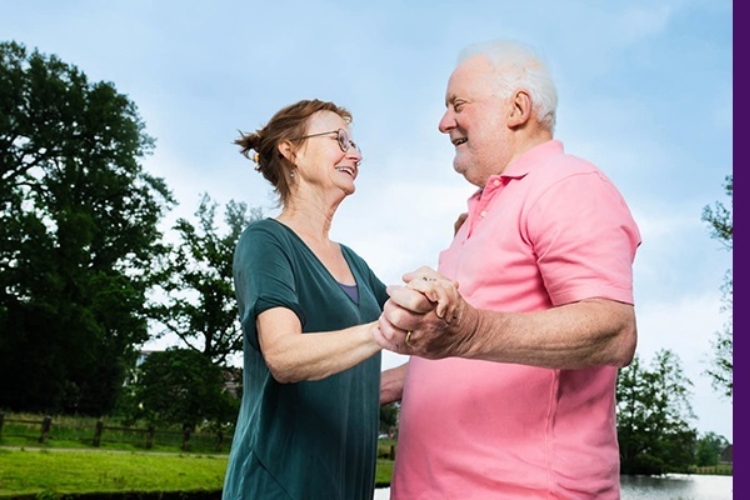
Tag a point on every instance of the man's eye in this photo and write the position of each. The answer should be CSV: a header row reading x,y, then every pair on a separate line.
x,y
457,106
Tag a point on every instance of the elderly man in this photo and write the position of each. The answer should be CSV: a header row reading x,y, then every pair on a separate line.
x,y
510,389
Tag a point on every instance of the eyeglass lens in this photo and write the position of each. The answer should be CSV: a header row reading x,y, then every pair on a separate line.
x,y
344,142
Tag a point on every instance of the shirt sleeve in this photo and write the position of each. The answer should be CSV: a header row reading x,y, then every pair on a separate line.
x,y
585,240
263,278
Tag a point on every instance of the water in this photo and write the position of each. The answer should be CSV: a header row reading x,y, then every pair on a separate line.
x,y
676,487
672,487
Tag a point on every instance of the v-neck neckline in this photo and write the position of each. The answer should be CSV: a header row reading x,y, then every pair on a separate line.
x,y
320,262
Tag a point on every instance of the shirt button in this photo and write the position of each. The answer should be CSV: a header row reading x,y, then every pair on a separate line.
x,y
483,213
496,183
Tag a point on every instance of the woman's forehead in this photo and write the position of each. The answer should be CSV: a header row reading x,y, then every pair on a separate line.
x,y
328,119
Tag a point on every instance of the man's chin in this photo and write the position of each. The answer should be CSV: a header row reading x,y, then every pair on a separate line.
x,y
461,168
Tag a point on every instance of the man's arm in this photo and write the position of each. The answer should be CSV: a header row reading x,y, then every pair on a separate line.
x,y
592,332
392,384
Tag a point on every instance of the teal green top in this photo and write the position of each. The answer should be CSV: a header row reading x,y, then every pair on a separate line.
x,y
313,439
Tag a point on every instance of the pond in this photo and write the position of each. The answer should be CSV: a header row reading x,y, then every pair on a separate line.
x,y
671,487
676,487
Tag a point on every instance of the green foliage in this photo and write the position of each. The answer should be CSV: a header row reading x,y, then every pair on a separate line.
x,y
389,417
199,306
719,218
181,386
78,234
652,417
721,225
709,449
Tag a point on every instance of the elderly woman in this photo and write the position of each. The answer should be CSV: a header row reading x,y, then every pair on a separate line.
x,y
308,424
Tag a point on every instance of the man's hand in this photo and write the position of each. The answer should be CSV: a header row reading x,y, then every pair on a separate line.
x,y
427,317
459,222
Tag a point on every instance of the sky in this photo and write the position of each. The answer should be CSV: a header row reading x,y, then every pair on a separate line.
x,y
645,93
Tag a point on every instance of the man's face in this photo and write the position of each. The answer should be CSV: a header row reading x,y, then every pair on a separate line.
x,y
475,119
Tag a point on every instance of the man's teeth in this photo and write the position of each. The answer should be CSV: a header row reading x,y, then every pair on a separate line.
x,y
458,142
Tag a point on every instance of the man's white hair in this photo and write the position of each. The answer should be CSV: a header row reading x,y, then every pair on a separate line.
x,y
519,66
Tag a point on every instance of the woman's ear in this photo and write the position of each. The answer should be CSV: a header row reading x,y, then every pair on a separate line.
x,y
520,111
286,148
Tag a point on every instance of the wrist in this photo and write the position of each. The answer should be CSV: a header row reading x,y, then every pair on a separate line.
x,y
468,324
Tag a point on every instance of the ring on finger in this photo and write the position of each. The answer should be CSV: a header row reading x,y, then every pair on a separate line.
x,y
407,340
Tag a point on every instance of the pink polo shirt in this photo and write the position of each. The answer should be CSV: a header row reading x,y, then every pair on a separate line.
x,y
551,230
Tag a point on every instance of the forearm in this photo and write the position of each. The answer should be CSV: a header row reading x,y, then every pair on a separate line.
x,y
392,384
293,356
593,332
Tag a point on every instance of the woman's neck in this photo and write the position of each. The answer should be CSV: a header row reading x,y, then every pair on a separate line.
x,y
308,220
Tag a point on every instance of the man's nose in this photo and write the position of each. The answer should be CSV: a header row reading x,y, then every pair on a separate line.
x,y
447,122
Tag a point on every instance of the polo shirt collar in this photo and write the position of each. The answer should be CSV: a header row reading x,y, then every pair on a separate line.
x,y
523,164
534,156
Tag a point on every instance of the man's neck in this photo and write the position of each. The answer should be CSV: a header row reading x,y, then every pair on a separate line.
x,y
527,142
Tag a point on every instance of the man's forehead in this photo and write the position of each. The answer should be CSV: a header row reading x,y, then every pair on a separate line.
x,y
470,78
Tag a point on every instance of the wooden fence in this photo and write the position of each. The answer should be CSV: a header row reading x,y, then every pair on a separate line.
x,y
44,429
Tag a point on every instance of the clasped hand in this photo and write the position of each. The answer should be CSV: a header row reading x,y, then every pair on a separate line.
x,y
426,317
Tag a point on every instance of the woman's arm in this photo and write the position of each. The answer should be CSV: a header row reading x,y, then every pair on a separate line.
x,y
293,356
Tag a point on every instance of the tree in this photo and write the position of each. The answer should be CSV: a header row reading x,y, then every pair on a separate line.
x,y
78,235
652,417
722,228
709,449
198,304
181,386
389,418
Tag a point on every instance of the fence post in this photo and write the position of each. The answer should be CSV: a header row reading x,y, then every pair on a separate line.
x,y
46,424
219,439
98,433
185,437
150,437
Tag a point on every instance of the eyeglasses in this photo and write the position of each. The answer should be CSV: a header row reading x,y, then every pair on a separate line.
x,y
341,137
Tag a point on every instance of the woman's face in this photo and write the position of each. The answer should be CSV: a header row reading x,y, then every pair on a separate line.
x,y
320,160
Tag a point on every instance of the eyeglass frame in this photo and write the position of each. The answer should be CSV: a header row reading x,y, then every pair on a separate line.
x,y
340,132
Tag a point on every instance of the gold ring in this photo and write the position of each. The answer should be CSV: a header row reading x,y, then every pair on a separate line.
x,y
408,338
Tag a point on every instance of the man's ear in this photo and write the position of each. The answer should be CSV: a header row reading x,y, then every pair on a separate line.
x,y
286,148
520,111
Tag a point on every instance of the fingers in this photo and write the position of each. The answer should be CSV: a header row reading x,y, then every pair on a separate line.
x,y
410,299
386,341
422,272
397,326
442,292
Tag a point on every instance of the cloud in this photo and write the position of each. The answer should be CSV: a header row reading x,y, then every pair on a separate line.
x,y
402,225
636,24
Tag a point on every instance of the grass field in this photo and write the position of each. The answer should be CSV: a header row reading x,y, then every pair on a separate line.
x,y
67,463
52,472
